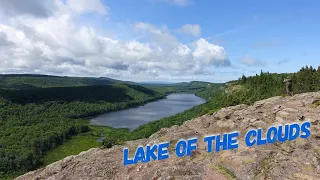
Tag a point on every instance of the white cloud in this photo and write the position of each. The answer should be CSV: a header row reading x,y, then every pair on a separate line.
x,y
250,61
56,44
210,54
191,29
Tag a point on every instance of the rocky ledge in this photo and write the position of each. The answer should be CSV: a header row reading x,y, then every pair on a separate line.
x,y
298,159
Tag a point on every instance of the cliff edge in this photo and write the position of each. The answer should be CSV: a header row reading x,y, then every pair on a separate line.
x,y
298,159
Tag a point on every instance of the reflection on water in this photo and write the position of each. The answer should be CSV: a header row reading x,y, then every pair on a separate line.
x,y
134,117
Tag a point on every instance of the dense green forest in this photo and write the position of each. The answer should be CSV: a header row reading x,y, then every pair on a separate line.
x,y
27,81
39,113
33,121
189,87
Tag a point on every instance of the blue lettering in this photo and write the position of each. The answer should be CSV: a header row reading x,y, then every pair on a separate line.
x,y
233,143
286,133
151,152
181,144
293,135
126,160
272,131
163,151
250,133
139,155
260,141
222,143
191,145
305,129
209,140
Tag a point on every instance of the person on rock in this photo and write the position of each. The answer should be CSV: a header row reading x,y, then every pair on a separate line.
x,y
288,83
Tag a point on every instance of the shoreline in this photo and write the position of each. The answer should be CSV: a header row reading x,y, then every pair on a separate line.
x,y
135,107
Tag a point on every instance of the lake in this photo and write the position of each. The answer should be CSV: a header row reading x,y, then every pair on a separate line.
x,y
133,117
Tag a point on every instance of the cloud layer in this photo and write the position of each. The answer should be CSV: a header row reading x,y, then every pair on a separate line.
x,y
45,38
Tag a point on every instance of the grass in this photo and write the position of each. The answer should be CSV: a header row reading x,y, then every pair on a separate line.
x,y
79,143
211,112
225,171
73,146
316,103
10,176
172,146
248,160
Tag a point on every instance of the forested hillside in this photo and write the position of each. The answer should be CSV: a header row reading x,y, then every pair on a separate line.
x,y
34,121
189,87
27,81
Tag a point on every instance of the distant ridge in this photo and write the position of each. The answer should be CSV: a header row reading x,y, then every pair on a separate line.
x,y
28,75
156,82
27,81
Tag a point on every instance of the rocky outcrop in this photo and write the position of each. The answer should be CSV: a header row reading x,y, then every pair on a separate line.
x,y
298,159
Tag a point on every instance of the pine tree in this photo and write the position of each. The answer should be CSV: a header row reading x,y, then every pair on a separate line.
x,y
312,69
243,79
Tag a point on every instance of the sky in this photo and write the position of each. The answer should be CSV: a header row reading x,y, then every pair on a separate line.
x,y
158,40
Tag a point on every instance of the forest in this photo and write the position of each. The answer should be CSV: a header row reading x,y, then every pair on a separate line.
x,y
39,113
28,81
189,87
38,119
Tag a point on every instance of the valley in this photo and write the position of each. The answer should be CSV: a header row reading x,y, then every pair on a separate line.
x,y
43,118
43,124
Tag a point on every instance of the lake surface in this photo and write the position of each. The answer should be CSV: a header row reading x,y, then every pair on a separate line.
x,y
133,117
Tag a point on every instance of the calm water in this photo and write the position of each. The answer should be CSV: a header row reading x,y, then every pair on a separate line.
x,y
134,117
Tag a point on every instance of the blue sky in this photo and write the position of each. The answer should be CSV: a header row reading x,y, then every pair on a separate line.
x,y
271,31
168,40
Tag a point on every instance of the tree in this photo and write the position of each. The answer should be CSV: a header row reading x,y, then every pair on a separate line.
x,y
243,79
108,143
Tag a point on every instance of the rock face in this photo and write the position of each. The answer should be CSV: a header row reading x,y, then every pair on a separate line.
x,y
298,159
